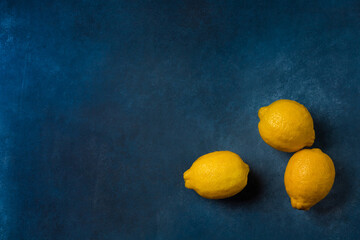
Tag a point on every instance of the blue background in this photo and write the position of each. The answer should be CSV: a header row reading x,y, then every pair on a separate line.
x,y
104,105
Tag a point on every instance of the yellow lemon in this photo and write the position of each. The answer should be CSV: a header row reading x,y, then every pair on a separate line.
x,y
286,125
309,176
217,175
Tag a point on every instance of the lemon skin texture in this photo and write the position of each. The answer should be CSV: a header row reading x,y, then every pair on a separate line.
x,y
217,175
309,177
286,125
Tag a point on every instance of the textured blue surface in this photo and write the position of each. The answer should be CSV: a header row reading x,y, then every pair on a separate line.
x,y
104,105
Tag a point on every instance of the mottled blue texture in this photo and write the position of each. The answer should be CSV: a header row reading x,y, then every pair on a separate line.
x,y
104,105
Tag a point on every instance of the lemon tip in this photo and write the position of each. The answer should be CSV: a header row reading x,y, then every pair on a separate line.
x,y
262,111
300,205
186,174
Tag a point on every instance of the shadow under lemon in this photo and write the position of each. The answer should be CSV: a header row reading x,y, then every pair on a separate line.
x,y
250,194
341,189
337,196
323,133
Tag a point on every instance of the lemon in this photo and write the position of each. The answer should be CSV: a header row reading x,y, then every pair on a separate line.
x,y
309,177
217,175
286,125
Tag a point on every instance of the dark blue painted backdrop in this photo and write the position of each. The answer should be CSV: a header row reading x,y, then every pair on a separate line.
x,y
104,105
